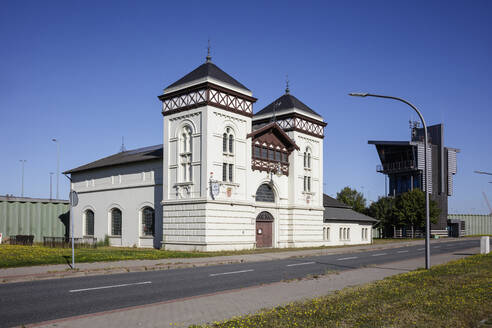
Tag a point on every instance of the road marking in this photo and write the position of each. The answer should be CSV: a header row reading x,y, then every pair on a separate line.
x,y
347,258
112,286
402,252
296,264
232,272
420,249
380,254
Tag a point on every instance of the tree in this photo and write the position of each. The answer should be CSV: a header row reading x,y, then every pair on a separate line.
x,y
384,211
410,209
352,198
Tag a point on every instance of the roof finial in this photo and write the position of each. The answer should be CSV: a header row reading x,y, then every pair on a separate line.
x,y
123,148
208,58
287,90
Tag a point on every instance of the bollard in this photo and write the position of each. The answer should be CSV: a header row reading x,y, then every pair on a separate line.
x,y
485,245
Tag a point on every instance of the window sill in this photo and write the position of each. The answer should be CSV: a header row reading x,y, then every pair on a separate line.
x,y
309,193
146,237
230,184
179,184
118,236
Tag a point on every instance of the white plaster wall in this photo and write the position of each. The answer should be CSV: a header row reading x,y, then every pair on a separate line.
x,y
128,187
355,233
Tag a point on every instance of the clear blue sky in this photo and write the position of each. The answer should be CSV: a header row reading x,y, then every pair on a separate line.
x,y
89,72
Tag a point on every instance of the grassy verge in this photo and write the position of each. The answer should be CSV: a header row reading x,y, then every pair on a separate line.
x,y
17,256
457,294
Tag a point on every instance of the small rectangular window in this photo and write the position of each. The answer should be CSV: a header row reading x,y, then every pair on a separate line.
x,y
284,157
256,152
277,156
271,154
264,152
230,172
224,171
305,183
309,184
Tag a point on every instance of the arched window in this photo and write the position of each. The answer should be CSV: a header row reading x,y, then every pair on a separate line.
x,y
224,142
115,222
264,193
340,237
89,223
307,170
228,155
186,156
231,144
348,233
327,233
307,158
324,233
148,218
228,141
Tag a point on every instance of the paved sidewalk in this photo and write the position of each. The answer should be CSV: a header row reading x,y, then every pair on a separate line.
x,y
224,305
97,268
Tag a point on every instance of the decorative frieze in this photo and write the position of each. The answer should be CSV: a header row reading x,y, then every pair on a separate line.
x,y
297,122
207,94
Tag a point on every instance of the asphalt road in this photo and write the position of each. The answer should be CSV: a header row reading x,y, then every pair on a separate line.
x,y
30,302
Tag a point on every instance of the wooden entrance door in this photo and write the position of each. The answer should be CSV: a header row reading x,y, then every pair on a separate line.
x,y
264,224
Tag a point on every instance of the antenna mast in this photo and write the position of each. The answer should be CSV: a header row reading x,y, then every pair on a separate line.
x,y
487,202
123,148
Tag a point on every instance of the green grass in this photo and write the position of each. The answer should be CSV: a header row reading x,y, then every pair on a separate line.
x,y
18,256
457,294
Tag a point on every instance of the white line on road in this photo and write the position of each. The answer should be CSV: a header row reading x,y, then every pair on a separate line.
x,y
113,286
296,264
347,258
402,252
420,249
232,272
380,254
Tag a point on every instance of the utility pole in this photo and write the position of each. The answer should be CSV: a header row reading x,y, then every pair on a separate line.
x,y
23,161
51,185
57,166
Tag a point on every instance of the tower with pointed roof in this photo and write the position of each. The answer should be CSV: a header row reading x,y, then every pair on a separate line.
x,y
207,115
305,186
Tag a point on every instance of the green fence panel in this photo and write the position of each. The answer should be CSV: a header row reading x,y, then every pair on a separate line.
x,y
475,224
37,217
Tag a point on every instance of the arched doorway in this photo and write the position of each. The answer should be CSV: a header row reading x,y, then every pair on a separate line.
x,y
264,225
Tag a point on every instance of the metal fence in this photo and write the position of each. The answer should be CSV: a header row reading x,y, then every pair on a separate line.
x,y
85,242
475,224
37,217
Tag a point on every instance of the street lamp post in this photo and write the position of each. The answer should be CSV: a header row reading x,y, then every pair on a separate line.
x,y
51,185
23,161
57,166
427,219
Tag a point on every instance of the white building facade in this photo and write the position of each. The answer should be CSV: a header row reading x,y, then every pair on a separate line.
x,y
223,179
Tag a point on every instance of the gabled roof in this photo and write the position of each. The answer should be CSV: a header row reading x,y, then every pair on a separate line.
x,y
287,101
345,214
277,130
337,211
130,156
207,69
332,202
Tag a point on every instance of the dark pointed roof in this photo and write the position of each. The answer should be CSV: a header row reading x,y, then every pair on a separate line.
x,y
130,156
287,101
208,69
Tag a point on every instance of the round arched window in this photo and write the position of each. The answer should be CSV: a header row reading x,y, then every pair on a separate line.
x,y
265,194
